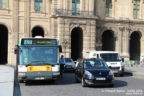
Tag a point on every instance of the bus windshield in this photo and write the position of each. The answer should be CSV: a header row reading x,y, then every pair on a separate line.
x,y
32,55
110,56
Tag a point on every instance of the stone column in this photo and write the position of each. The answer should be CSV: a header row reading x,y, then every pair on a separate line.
x,y
15,26
16,20
91,7
44,6
27,18
93,35
49,6
126,45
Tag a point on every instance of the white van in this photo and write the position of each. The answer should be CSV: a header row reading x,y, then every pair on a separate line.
x,y
112,59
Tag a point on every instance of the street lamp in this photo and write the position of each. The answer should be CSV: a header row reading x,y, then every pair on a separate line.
x,y
65,43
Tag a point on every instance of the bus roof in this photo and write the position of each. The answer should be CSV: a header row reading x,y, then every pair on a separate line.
x,y
38,42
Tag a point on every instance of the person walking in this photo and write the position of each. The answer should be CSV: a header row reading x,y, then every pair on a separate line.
x,y
62,63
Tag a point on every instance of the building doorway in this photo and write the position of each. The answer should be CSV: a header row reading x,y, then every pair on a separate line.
x,y
37,31
76,43
4,44
135,46
108,41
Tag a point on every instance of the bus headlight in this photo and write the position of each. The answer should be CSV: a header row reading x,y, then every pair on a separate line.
x,y
21,74
56,68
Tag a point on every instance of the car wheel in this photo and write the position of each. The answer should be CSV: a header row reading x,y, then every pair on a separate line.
x,y
122,74
111,85
83,83
76,79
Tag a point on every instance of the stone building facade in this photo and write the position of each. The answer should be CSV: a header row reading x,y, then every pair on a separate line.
x,y
80,25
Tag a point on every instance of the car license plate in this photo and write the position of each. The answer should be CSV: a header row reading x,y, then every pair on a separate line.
x,y
100,78
39,78
68,67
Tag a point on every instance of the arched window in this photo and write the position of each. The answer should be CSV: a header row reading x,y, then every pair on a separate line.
x,y
108,10
38,5
75,6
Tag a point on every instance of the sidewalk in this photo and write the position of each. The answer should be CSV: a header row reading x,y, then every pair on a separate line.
x,y
6,80
136,71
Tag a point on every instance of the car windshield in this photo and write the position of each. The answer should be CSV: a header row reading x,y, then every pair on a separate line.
x,y
39,55
68,60
92,63
110,56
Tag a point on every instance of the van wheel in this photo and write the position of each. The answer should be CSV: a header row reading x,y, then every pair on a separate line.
x,y
83,83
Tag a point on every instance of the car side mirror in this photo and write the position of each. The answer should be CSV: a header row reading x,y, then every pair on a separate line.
x,y
110,67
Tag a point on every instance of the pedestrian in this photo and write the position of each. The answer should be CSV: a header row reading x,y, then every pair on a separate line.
x,y
62,63
143,60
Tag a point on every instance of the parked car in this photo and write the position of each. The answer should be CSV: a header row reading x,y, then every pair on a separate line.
x,y
93,72
112,58
69,64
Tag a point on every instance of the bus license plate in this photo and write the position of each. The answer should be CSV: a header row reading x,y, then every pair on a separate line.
x,y
39,68
39,78
100,78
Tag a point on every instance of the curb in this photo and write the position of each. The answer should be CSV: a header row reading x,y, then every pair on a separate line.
x,y
7,80
134,74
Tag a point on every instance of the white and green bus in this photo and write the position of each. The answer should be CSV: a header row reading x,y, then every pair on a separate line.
x,y
38,59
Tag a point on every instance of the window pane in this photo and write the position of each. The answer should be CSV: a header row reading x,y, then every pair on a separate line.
x,y
136,9
40,5
78,1
73,8
108,10
36,5
73,1
3,2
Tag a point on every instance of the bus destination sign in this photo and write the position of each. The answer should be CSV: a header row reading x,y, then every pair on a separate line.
x,y
39,42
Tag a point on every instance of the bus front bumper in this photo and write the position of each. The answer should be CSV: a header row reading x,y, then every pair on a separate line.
x,y
39,75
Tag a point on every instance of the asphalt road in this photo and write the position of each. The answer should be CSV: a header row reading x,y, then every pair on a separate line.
x,y
123,86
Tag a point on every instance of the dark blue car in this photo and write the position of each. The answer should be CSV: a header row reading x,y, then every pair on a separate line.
x,y
93,72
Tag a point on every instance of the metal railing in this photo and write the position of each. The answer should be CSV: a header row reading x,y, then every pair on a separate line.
x,y
132,63
63,12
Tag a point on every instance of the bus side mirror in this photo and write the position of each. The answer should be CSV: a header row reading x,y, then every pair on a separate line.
x,y
16,49
60,48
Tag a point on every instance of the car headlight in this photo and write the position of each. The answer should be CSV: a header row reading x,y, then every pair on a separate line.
x,y
89,75
111,74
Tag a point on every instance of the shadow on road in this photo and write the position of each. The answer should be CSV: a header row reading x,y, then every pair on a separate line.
x,y
68,78
119,83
